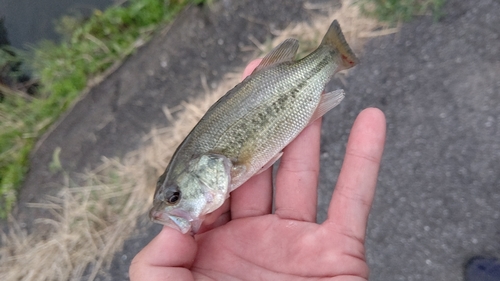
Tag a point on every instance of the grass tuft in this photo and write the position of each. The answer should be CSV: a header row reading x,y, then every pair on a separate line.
x,y
394,11
63,70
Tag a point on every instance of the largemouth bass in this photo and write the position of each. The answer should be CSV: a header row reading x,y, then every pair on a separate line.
x,y
245,131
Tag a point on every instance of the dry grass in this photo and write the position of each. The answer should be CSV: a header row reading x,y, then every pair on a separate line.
x,y
92,222
356,28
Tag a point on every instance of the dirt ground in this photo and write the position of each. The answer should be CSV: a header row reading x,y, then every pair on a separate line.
x,y
437,82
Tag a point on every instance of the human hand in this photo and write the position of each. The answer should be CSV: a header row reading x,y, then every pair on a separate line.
x,y
244,240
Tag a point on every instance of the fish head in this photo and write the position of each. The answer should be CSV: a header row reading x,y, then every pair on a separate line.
x,y
183,200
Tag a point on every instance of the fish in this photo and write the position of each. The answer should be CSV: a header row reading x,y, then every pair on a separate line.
x,y
245,131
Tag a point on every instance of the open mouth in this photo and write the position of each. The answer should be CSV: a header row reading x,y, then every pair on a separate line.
x,y
175,221
161,218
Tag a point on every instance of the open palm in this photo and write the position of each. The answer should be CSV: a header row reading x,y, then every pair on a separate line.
x,y
245,240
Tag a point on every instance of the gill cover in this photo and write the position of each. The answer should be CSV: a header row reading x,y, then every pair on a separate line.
x,y
202,188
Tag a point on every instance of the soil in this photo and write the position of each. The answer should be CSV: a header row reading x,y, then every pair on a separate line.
x,y
437,81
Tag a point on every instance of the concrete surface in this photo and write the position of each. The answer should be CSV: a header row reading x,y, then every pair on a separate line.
x,y
438,197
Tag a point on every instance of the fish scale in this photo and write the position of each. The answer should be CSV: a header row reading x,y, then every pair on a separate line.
x,y
296,96
273,135
245,131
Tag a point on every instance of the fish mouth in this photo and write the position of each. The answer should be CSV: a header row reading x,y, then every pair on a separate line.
x,y
176,219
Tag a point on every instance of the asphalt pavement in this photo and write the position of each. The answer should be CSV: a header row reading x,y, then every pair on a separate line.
x,y
438,197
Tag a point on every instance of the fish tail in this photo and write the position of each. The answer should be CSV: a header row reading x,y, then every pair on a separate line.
x,y
335,40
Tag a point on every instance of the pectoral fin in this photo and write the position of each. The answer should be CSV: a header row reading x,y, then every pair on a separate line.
x,y
283,52
327,102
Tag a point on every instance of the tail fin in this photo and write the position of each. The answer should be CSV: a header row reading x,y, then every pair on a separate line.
x,y
334,38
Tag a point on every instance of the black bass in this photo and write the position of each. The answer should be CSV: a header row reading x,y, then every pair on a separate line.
x,y
245,131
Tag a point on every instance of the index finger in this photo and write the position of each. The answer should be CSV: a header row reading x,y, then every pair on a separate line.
x,y
254,197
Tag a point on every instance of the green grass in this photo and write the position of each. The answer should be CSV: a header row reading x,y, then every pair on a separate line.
x,y
63,70
394,11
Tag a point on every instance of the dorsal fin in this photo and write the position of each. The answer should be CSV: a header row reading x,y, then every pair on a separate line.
x,y
283,52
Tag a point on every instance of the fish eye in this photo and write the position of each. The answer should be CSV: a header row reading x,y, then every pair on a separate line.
x,y
172,199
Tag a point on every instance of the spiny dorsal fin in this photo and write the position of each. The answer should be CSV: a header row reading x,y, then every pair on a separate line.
x,y
283,52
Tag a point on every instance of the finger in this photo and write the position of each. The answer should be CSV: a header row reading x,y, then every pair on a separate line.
x,y
217,218
353,195
167,257
254,197
297,177
250,67
221,220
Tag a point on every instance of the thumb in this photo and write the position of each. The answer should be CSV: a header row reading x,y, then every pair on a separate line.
x,y
167,257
